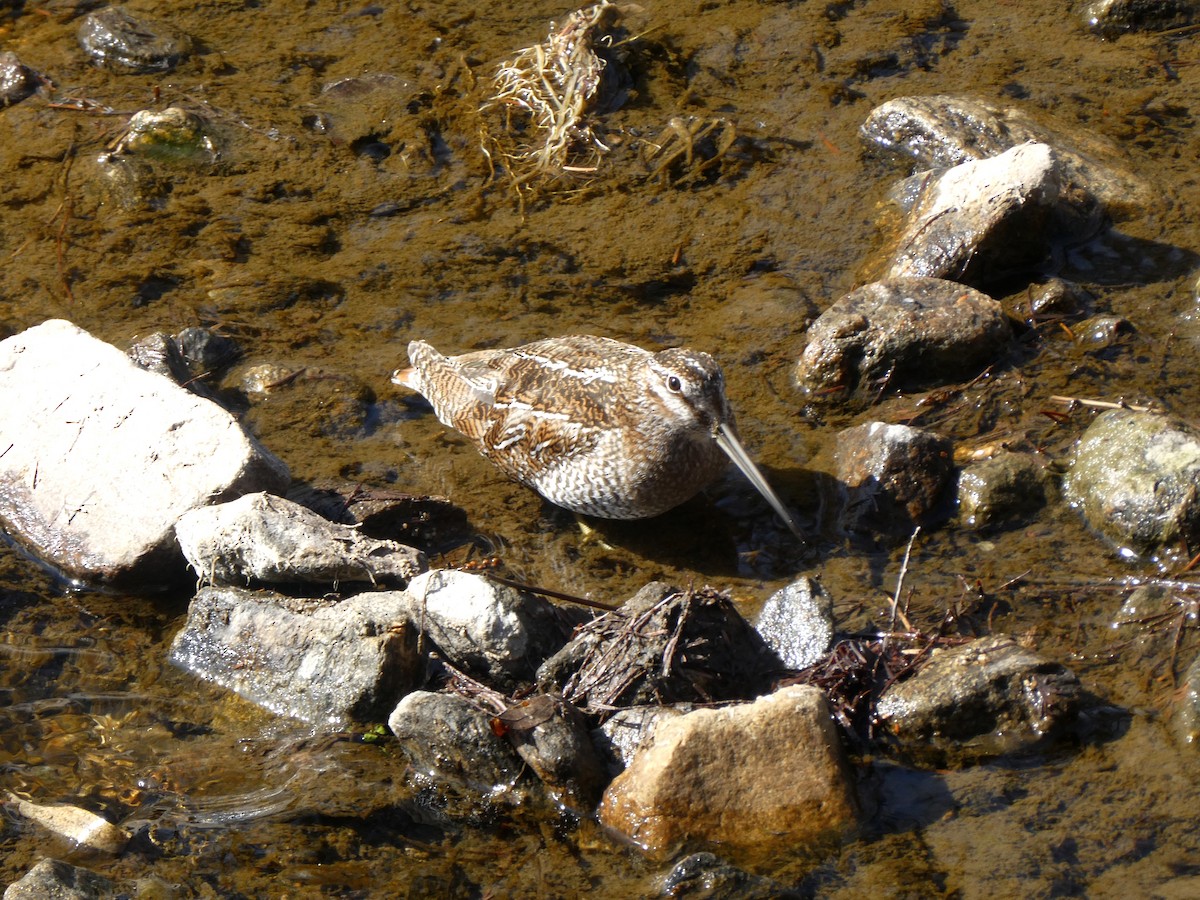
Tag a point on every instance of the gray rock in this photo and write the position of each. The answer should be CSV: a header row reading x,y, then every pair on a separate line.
x,y
620,736
895,475
496,632
1136,478
552,737
944,130
101,458
797,623
910,331
980,219
264,539
447,739
52,879
983,699
1004,486
1112,18
329,663
118,41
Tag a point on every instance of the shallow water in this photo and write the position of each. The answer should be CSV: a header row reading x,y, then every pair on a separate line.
x,y
338,224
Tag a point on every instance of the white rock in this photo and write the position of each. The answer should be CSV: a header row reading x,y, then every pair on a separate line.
x,y
267,539
99,458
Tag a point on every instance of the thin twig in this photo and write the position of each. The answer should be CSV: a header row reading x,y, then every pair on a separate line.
x,y
1101,404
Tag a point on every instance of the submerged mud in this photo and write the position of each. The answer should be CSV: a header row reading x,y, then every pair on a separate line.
x,y
346,207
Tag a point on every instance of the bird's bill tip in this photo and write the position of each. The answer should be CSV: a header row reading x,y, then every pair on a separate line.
x,y
728,442
404,377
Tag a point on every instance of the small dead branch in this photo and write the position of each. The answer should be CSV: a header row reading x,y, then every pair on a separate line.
x,y
1103,404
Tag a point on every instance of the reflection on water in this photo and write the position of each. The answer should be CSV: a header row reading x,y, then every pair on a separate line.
x,y
338,224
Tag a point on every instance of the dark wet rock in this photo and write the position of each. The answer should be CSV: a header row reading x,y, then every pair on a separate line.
x,y
52,879
1136,477
1102,332
983,219
262,539
754,778
945,130
983,699
103,457
168,135
797,623
552,737
905,331
896,476
1005,486
1112,18
431,523
117,40
329,663
1185,722
493,631
159,353
705,876
446,738
17,81
662,646
620,736
205,352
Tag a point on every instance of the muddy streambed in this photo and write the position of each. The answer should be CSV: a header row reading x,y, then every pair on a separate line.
x,y
346,207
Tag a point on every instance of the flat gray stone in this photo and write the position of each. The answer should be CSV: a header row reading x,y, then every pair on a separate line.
x,y
330,663
264,539
99,458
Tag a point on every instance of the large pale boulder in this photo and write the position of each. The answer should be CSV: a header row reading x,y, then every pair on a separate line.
x,y
754,780
99,458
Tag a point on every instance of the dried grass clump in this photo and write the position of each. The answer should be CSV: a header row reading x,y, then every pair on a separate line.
x,y
547,92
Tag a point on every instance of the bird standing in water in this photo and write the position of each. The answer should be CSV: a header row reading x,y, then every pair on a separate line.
x,y
594,425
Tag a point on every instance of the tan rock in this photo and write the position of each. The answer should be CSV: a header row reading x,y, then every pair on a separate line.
x,y
752,778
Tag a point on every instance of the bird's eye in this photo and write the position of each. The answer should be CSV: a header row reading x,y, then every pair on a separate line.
x,y
674,384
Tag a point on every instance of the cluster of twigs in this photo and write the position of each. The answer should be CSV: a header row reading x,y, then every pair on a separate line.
x,y
681,649
551,87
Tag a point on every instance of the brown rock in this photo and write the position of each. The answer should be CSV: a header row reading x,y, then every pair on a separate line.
x,y
756,779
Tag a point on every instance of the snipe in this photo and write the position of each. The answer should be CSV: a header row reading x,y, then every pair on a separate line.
x,y
593,425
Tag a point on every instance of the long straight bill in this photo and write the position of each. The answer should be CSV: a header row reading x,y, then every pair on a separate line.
x,y
728,442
